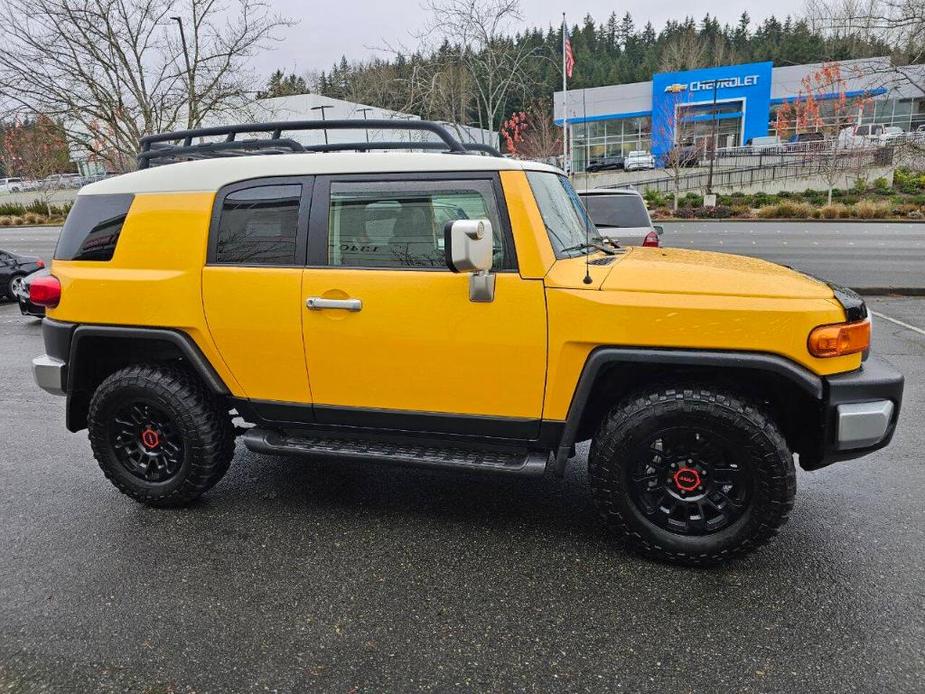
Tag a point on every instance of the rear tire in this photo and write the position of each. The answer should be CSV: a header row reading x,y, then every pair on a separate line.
x,y
158,435
691,475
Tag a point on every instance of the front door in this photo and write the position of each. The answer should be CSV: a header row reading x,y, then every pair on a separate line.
x,y
402,346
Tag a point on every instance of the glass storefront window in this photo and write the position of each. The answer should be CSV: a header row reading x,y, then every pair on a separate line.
x,y
617,137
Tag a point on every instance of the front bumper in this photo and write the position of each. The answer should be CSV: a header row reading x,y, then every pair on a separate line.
x,y
860,410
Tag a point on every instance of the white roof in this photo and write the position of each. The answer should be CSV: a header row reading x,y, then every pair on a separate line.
x,y
208,175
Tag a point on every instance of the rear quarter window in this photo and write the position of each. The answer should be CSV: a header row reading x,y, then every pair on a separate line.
x,y
92,228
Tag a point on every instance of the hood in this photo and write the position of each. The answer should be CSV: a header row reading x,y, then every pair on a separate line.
x,y
678,271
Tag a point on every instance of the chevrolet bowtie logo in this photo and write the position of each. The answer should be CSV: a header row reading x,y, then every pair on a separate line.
x,y
675,88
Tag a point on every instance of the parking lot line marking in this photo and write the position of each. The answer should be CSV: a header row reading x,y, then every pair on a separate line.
x,y
920,331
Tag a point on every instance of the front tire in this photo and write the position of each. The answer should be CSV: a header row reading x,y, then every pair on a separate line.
x,y
691,475
158,435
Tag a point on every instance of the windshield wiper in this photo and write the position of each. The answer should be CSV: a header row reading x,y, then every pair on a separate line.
x,y
585,245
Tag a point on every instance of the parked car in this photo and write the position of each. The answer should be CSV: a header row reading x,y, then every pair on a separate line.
x,y
866,135
766,144
806,142
26,307
638,160
621,215
893,135
502,336
605,164
62,181
13,268
684,155
11,185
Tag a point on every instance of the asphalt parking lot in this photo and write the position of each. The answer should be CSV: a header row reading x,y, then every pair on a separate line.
x,y
294,575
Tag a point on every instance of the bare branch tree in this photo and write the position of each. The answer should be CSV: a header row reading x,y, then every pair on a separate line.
x,y
477,36
860,23
114,70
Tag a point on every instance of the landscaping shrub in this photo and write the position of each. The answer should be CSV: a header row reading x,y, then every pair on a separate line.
x,y
881,184
786,210
11,208
836,210
6,221
871,209
909,182
654,199
718,212
685,213
905,210
741,211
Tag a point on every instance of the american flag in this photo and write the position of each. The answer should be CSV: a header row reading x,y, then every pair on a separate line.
x,y
569,54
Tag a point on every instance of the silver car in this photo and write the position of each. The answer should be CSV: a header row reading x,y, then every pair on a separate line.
x,y
621,215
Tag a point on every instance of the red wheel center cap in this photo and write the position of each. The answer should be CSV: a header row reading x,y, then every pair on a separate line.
x,y
150,438
687,479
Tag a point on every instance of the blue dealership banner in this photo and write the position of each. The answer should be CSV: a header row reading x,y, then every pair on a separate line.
x,y
747,86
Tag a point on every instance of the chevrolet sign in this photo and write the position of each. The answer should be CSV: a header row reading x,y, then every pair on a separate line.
x,y
707,85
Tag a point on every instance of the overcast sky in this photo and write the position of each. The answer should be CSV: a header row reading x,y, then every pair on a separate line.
x,y
329,29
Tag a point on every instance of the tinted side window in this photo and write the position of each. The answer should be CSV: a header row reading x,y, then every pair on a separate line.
x,y
91,230
259,225
400,224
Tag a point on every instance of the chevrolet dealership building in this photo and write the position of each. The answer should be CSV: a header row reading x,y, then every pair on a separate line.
x,y
734,102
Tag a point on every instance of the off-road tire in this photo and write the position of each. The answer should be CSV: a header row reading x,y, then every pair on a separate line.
x,y
764,451
203,425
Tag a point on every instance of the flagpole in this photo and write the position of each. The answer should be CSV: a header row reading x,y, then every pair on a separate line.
x,y
565,161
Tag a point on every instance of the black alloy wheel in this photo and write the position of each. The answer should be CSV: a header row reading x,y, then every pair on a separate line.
x,y
689,480
146,442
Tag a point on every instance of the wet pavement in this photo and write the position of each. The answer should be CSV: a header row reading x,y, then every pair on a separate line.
x,y
293,575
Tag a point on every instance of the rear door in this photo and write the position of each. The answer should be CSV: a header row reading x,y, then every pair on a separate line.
x,y
409,350
251,285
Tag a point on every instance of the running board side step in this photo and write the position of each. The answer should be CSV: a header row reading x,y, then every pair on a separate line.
x,y
449,457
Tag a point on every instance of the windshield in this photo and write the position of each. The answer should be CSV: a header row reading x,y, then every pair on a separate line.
x,y
567,223
620,211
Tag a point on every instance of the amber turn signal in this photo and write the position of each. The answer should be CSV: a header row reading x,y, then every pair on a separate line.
x,y
839,339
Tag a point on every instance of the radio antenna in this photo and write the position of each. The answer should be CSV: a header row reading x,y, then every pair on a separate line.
x,y
587,279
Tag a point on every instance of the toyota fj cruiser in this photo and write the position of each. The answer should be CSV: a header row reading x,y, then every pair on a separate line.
x,y
444,309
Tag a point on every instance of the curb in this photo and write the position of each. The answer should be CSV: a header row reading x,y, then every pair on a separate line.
x,y
890,291
793,220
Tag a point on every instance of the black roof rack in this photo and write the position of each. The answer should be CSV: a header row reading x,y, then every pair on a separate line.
x,y
179,146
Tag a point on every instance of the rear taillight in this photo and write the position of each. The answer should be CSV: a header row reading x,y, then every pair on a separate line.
x,y
651,240
45,291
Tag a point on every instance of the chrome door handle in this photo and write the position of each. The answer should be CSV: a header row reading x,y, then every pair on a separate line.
x,y
317,303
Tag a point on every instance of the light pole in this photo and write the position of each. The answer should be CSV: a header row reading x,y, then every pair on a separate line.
x,y
365,110
191,116
322,108
713,140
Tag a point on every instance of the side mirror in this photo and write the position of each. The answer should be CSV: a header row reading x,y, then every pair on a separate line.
x,y
468,245
659,229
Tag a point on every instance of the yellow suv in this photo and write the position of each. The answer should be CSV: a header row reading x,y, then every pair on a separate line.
x,y
447,309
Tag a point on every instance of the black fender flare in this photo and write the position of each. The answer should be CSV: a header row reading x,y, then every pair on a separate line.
x,y
604,356
181,340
